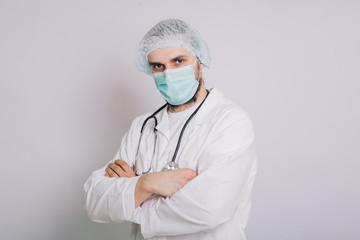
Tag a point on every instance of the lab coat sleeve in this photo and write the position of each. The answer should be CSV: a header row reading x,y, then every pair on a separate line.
x,y
112,199
226,171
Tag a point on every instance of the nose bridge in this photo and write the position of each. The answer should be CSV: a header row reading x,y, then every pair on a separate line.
x,y
182,68
169,65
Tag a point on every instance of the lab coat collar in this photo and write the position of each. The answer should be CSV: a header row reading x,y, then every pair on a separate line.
x,y
203,116
209,108
163,123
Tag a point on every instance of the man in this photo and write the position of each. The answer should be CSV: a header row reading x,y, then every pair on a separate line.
x,y
186,171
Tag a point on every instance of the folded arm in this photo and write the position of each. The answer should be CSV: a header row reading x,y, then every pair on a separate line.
x,y
113,196
226,172
109,199
164,184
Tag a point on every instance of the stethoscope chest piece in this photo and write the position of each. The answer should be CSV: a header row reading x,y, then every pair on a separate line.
x,y
170,166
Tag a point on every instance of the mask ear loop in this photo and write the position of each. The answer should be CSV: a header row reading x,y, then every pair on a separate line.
x,y
200,70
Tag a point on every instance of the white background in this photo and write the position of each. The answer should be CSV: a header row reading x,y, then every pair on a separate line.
x,y
69,90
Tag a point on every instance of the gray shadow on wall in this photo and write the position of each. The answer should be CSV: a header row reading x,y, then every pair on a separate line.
x,y
74,224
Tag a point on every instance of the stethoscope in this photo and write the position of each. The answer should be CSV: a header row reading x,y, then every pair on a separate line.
x,y
172,165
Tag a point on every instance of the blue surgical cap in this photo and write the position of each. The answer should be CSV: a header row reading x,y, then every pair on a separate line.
x,y
171,33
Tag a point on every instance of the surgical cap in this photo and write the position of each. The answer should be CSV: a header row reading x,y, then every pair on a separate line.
x,y
171,33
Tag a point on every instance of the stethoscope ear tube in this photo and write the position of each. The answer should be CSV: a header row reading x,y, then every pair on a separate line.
x,y
152,116
141,133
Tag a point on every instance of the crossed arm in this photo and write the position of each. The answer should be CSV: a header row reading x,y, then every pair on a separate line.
x,y
161,183
226,171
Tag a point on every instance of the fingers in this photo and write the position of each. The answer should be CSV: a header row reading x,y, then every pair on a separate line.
x,y
110,173
182,176
113,170
169,182
183,172
188,173
129,171
124,166
119,169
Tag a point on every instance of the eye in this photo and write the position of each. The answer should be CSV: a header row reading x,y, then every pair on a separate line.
x,y
157,66
179,61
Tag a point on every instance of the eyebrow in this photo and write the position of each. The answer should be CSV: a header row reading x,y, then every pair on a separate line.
x,y
154,63
176,58
172,60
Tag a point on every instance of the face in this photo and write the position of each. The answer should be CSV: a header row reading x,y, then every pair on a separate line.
x,y
172,57
175,57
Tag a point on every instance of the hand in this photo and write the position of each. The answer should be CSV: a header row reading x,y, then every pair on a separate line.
x,y
119,169
166,183
162,183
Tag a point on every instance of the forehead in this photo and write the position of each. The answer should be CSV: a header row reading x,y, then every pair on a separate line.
x,y
161,55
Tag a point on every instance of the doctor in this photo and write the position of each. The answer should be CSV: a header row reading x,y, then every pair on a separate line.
x,y
185,171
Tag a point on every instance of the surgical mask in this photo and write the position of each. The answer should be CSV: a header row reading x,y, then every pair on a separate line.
x,y
177,85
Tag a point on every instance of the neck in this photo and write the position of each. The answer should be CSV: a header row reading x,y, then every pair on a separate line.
x,y
200,95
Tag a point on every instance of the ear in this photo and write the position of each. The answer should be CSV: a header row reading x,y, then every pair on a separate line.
x,y
200,64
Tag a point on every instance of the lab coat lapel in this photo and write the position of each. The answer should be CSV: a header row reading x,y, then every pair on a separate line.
x,y
208,109
163,124
163,133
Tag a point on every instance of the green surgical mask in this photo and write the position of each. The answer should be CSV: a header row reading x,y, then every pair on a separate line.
x,y
177,85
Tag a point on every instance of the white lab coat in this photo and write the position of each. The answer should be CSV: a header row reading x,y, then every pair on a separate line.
x,y
218,143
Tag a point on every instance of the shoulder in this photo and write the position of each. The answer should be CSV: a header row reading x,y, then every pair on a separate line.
x,y
225,110
229,126
229,120
139,120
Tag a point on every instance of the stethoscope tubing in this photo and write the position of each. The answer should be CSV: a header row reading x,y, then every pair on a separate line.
x,y
156,122
184,127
